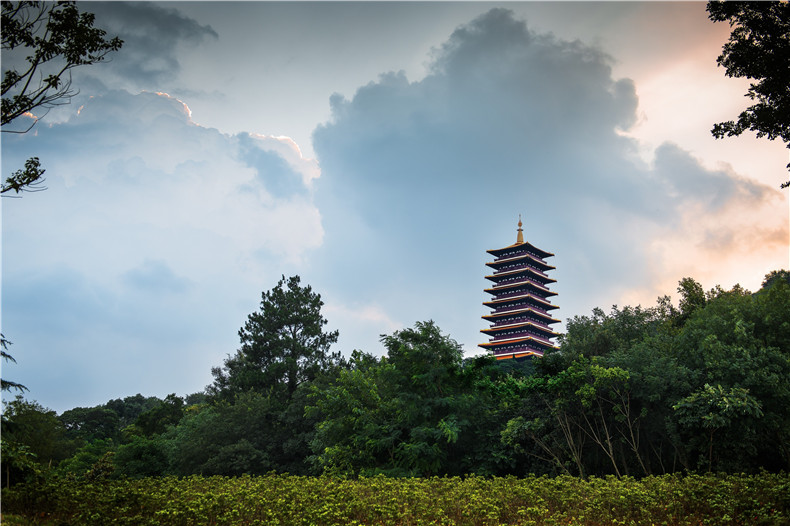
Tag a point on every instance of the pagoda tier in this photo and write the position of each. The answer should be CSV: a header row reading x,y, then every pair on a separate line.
x,y
521,330
512,276
520,248
519,301
519,315
519,288
519,319
515,262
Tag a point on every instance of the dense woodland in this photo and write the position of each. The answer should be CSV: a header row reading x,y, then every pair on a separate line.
x,y
703,385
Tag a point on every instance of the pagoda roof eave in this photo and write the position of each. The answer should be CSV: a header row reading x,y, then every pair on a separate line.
x,y
542,264
540,275
518,354
540,252
516,286
490,345
504,301
519,312
493,330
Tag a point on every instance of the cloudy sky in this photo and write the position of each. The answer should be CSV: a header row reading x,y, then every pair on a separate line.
x,y
377,150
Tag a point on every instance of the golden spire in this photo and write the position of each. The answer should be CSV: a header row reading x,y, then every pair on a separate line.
x,y
520,237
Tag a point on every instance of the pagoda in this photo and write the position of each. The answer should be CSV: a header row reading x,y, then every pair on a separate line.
x,y
520,304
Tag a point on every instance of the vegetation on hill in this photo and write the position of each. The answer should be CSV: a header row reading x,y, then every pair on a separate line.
x,y
703,385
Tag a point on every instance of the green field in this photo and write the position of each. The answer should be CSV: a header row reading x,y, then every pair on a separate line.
x,y
284,499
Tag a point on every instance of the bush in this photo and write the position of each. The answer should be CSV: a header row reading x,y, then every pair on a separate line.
x,y
284,499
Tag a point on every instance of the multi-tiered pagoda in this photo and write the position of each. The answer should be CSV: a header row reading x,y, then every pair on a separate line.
x,y
520,317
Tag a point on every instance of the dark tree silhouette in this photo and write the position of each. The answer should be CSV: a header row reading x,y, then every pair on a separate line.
x,y
759,49
7,385
54,37
282,345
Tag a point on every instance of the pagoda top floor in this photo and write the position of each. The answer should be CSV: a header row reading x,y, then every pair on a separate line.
x,y
520,249
519,255
518,261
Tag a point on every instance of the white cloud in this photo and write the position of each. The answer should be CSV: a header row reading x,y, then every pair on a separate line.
x,y
287,148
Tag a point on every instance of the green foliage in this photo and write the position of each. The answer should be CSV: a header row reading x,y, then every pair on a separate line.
x,y
739,342
711,409
38,429
142,456
644,391
157,419
282,345
417,411
774,277
692,297
85,458
91,423
225,439
19,463
475,501
254,421
27,179
633,392
130,408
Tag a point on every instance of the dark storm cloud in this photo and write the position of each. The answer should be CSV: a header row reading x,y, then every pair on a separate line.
x,y
152,36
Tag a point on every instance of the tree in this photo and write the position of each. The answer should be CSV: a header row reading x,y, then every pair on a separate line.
x,y
260,393
692,297
282,345
737,341
37,428
55,37
131,407
227,439
141,457
416,412
91,423
758,48
715,408
156,420
774,277
86,458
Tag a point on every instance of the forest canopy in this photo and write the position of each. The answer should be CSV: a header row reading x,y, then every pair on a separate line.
x,y
701,385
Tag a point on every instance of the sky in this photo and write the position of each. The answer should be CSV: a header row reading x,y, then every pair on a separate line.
x,y
377,150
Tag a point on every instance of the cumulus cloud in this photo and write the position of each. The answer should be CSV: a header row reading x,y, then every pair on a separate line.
x,y
511,121
502,106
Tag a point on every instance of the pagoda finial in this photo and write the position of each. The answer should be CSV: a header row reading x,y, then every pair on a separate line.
x,y
520,237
